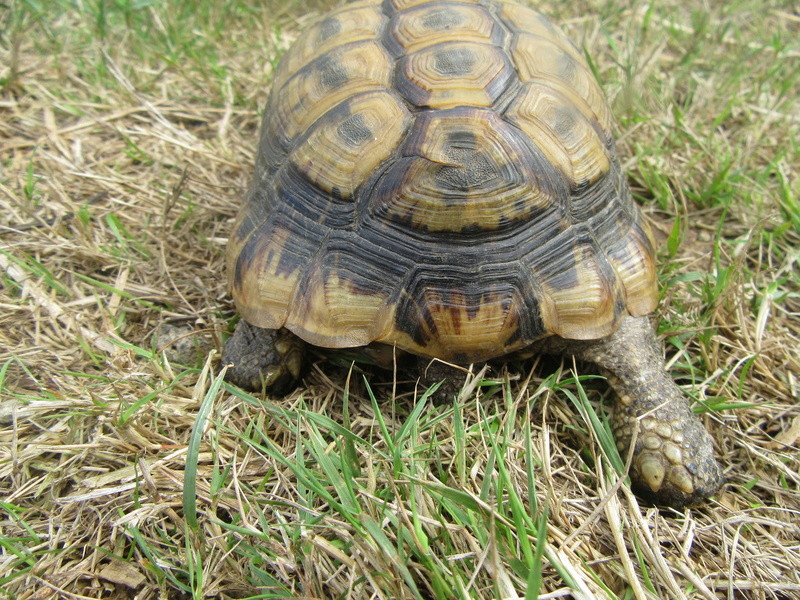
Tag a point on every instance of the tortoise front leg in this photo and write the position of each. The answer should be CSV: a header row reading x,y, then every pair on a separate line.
x,y
263,359
673,460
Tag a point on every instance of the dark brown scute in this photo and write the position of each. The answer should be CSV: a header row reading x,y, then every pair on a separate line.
x,y
366,268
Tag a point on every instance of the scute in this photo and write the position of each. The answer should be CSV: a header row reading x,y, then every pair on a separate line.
x,y
343,26
266,270
522,20
454,74
342,317
467,170
439,176
540,61
436,23
450,314
346,145
583,298
632,258
327,81
561,132
400,5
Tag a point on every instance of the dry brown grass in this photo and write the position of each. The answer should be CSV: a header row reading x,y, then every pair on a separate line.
x,y
122,162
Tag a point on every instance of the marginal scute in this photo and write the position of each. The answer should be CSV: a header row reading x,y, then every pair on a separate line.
x,y
561,132
633,258
334,315
348,144
263,291
457,323
454,74
445,316
584,298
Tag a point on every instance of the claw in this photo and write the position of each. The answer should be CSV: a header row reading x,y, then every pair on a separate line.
x,y
681,479
652,471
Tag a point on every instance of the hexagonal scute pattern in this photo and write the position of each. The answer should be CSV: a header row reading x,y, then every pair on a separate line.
x,y
439,176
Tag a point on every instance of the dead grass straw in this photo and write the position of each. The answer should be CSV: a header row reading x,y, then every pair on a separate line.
x,y
126,142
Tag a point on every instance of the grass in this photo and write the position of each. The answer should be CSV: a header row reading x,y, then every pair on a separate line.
x,y
126,141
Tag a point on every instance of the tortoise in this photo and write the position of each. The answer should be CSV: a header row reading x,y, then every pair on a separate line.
x,y
439,178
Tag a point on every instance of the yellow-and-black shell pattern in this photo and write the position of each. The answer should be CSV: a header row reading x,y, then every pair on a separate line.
x,y
440,177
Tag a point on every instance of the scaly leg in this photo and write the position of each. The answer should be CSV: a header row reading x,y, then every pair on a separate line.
x,y
673,461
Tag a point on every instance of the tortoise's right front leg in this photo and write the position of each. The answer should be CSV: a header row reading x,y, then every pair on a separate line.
x,y
673,458
263,359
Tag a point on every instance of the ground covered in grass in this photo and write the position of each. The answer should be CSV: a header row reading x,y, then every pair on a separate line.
x,y
127,133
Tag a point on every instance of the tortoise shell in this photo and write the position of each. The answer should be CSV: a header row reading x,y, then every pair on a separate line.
x,y
441,177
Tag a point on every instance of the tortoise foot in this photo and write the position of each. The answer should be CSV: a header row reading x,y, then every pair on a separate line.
x,y
673,462
263,359
673,457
